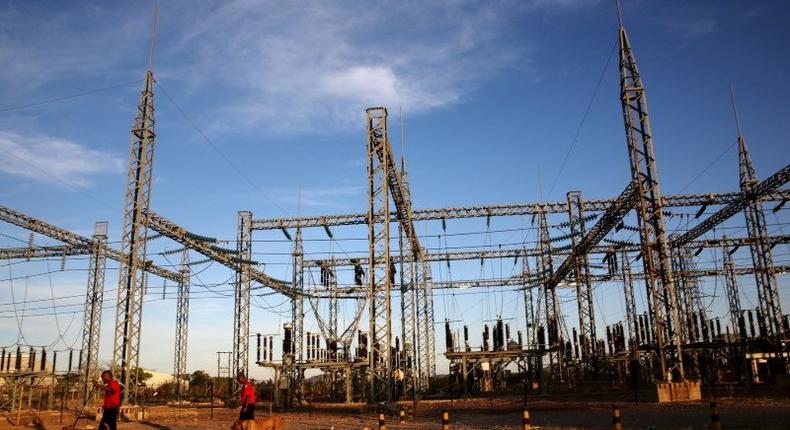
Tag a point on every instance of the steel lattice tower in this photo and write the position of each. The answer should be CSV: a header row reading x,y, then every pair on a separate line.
x,y
584,293
650,211
182,325
94,300
379,360
241,294
131,279
762,258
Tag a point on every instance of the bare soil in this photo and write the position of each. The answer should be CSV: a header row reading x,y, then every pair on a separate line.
x,y
465,414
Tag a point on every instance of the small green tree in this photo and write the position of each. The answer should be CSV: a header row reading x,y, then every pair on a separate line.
x,y
142,375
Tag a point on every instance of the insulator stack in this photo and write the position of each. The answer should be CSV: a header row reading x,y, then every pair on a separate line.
x,y
287,343
448,337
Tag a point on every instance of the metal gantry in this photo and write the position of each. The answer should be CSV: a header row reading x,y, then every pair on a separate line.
x,y
515,209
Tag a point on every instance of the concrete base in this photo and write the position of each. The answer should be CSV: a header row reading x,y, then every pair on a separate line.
x,y
127,413
687,391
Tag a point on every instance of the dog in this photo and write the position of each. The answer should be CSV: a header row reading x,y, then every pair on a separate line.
x,y
273,423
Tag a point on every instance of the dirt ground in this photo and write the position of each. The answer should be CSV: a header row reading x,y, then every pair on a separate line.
x,y
469,414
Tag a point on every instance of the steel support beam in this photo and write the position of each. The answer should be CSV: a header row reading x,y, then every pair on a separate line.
x,y
516,209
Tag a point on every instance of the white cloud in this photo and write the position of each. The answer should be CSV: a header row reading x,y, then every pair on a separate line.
x,y
50,159
309,66
325,197
690,29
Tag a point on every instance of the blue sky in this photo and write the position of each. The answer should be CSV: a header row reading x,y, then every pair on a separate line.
x,y
255,100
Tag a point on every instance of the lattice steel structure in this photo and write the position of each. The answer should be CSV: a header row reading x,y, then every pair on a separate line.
x,y
297,310
129,304
689,294
241,295
91,317
425,317
379,263
516,209
408,363
553,333
182,326
733,295
630,303
650,210
584,293
762,258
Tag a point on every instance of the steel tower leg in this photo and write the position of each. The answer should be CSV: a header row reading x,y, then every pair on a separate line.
x,y
131,281
94,300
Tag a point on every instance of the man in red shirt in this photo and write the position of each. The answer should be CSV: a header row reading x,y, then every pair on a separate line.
x,y
112,400
247,400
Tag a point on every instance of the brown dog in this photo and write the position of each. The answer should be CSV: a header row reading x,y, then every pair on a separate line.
x,y
273,423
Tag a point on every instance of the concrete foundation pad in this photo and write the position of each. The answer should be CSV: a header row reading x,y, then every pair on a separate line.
x,y
686,391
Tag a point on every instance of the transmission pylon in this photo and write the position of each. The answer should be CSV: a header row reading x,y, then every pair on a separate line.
x,y
94,300
650,214
131,278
